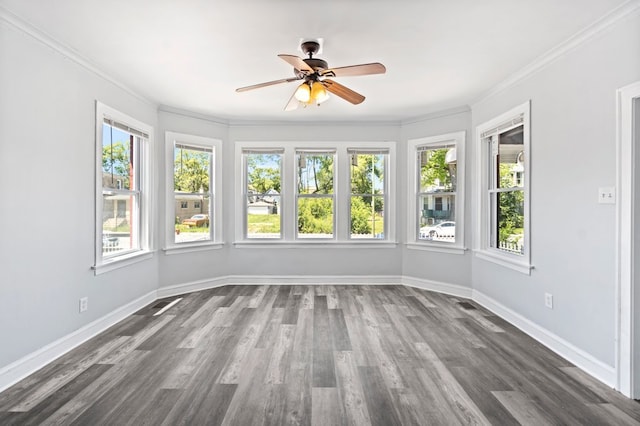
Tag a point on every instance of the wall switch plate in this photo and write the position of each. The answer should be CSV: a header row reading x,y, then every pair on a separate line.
x,y
607,195
548,300
84,304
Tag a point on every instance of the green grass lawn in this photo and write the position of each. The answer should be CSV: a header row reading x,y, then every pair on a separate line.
x,y
263,223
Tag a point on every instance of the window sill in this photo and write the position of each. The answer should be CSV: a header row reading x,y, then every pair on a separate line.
x,y
189,248
499,259
299,244
437,248
114,263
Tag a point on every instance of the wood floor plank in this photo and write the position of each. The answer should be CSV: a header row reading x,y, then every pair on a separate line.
x,y
350,390
339,331
326,409
522,409
378,399
298,409
302,355
280,356
323,365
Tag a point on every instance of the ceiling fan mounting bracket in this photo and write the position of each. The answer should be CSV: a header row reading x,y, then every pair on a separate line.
x,y
310,48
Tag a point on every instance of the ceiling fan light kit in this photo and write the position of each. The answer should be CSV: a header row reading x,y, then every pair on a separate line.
x,y
316,87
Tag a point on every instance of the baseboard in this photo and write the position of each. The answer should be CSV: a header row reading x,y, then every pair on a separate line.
x,y
29,364
438,286
18,370
601,371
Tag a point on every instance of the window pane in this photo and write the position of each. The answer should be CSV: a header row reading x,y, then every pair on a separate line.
x,y
367,173
367,217
315,217
192,223
510,171
509,215
119,224
263,175
191,169
117,158
437,217
315,173
263,217
438,169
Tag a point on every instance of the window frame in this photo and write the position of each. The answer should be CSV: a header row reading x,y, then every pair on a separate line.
x,y
373,195
215,192
144,173
288,195
332,195
414,192
483,248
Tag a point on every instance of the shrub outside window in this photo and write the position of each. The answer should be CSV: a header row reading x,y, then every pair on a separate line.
x,y
315,193
368,193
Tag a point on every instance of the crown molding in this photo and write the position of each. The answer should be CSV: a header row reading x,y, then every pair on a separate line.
x,y
582,36
437,114
66,51
190,114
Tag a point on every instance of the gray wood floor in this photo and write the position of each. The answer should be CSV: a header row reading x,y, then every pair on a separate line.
x,y
324,355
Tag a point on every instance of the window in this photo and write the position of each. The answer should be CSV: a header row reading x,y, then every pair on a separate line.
x,y
262,177
504,153
436,200
193,208
122,184
315,193
368,193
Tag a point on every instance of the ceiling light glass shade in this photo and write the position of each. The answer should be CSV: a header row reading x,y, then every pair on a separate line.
x,y
303,93
318,92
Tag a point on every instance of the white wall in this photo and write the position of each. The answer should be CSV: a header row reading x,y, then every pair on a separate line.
x,y
573,153
47,146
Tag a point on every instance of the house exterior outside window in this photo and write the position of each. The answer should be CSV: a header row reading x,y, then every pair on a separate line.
x,y
194,208
436,193
122,189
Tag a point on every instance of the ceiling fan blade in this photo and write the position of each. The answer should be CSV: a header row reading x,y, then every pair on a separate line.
x,y
362,69
297,63
268,83
293,103
343,92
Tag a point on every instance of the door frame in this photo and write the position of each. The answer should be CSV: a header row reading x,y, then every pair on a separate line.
x,y
625,214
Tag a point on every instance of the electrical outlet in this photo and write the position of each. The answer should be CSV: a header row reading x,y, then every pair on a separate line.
x,y
84,304
548,300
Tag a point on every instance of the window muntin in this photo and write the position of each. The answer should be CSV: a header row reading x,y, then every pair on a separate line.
x,y
436,199
262,188
193,192
315,194
367,174
506,191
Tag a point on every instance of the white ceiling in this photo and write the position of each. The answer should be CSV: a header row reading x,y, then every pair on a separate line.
x,y
193,54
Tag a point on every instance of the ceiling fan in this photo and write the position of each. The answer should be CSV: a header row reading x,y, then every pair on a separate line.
x,y
315,84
